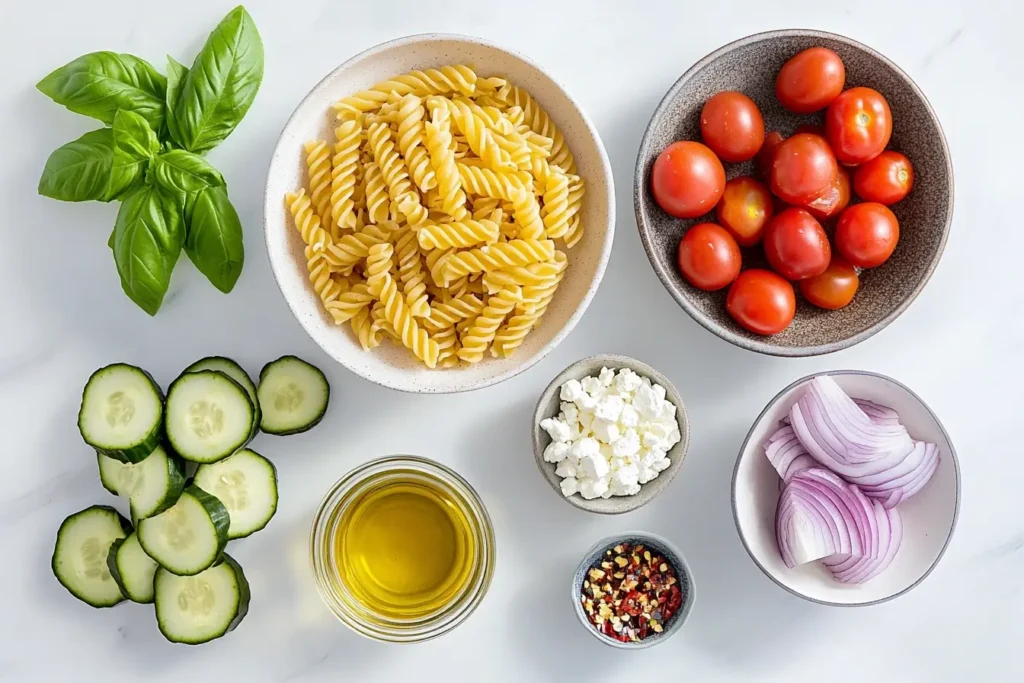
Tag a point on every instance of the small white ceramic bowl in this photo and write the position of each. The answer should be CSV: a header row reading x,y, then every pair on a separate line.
x,y
389,365
929,517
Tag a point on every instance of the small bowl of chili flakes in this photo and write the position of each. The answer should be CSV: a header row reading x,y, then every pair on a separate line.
x,y
633,590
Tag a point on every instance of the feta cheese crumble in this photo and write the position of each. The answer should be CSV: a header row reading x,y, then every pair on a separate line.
x,y
612,435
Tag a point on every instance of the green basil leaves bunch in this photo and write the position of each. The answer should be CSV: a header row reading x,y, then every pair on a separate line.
x,y
150,157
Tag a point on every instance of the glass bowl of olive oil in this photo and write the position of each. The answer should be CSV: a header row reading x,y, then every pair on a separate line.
x,y
402,549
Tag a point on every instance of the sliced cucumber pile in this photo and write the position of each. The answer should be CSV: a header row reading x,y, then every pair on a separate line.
x,y
189,536
198,609
246,483
209,416
150,487
132,569
293,396
235,372
174,557
122,412
80,555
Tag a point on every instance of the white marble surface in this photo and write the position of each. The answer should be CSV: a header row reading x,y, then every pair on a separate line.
x,y
959,346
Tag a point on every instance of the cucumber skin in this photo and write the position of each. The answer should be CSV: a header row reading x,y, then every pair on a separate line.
x,y
243,602
139,452
256,404
175,480
126,527
218,515
116,573
249,437
317,419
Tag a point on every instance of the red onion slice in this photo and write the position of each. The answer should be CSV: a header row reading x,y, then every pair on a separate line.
x,y
889,537
878,413
787,455
819,515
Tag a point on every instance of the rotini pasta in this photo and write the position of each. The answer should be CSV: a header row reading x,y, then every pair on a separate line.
x,y
431,219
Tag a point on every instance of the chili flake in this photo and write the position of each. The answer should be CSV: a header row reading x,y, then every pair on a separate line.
x,y
639,593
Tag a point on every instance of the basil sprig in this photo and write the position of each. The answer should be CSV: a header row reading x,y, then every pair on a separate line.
x,y
151,157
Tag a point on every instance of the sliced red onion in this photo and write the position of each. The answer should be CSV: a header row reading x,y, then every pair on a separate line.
x,y
838,433
879,414
889,537
819,515
787,455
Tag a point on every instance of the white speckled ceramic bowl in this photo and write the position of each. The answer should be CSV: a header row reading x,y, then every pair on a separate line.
x,y
389,365
929,517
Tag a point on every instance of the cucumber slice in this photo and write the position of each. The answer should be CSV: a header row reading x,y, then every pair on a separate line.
x,y
247,485
293,396
190,536
235,372
209,416
198,609
80,554
122,412
132,569
150,486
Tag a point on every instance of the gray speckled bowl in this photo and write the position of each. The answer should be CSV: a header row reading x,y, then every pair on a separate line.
x,y
670,552
549,406
750,65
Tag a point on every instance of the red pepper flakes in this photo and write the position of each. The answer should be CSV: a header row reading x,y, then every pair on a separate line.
x,y
630,593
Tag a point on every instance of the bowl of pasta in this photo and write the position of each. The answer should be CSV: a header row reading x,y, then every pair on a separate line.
x,y
439,213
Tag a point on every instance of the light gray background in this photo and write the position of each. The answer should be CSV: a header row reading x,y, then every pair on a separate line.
x,y
959,346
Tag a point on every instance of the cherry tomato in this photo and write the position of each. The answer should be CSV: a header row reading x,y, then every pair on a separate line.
x,y
796,246
761,301
804,167
858,124
709,256
866,234
766,157
832,201
810,80
745,210
886,179
687,179
833,288
731,125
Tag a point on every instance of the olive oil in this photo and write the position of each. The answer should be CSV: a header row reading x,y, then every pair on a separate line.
x,y
404,548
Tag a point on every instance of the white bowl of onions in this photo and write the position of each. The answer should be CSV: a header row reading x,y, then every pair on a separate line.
x,y
847,489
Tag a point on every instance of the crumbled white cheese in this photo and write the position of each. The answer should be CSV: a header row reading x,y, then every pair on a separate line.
x,y
612,435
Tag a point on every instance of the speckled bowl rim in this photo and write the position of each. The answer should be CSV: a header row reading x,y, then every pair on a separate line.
x,y
765,345
655,541
956,471
602,262
651,489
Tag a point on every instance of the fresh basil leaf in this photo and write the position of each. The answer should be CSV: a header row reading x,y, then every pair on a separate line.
x,y
221,84
88,168
126,174
185,172
148,236
176,74
133,135
214,242
100,83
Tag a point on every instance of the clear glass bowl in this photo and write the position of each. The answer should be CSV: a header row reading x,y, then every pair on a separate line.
x,y
324,555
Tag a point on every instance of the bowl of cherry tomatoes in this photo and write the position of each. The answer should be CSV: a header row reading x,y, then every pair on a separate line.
x,y
794,192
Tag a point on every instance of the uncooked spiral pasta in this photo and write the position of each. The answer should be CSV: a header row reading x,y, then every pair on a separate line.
x,y
431,219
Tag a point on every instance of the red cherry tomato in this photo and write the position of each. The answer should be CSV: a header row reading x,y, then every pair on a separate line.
x,y
810,80
804,167
709,256
833,288
796,246
866,234
731,125
766,157
761,301
687,179
858,124
886,179
832,201
745,209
